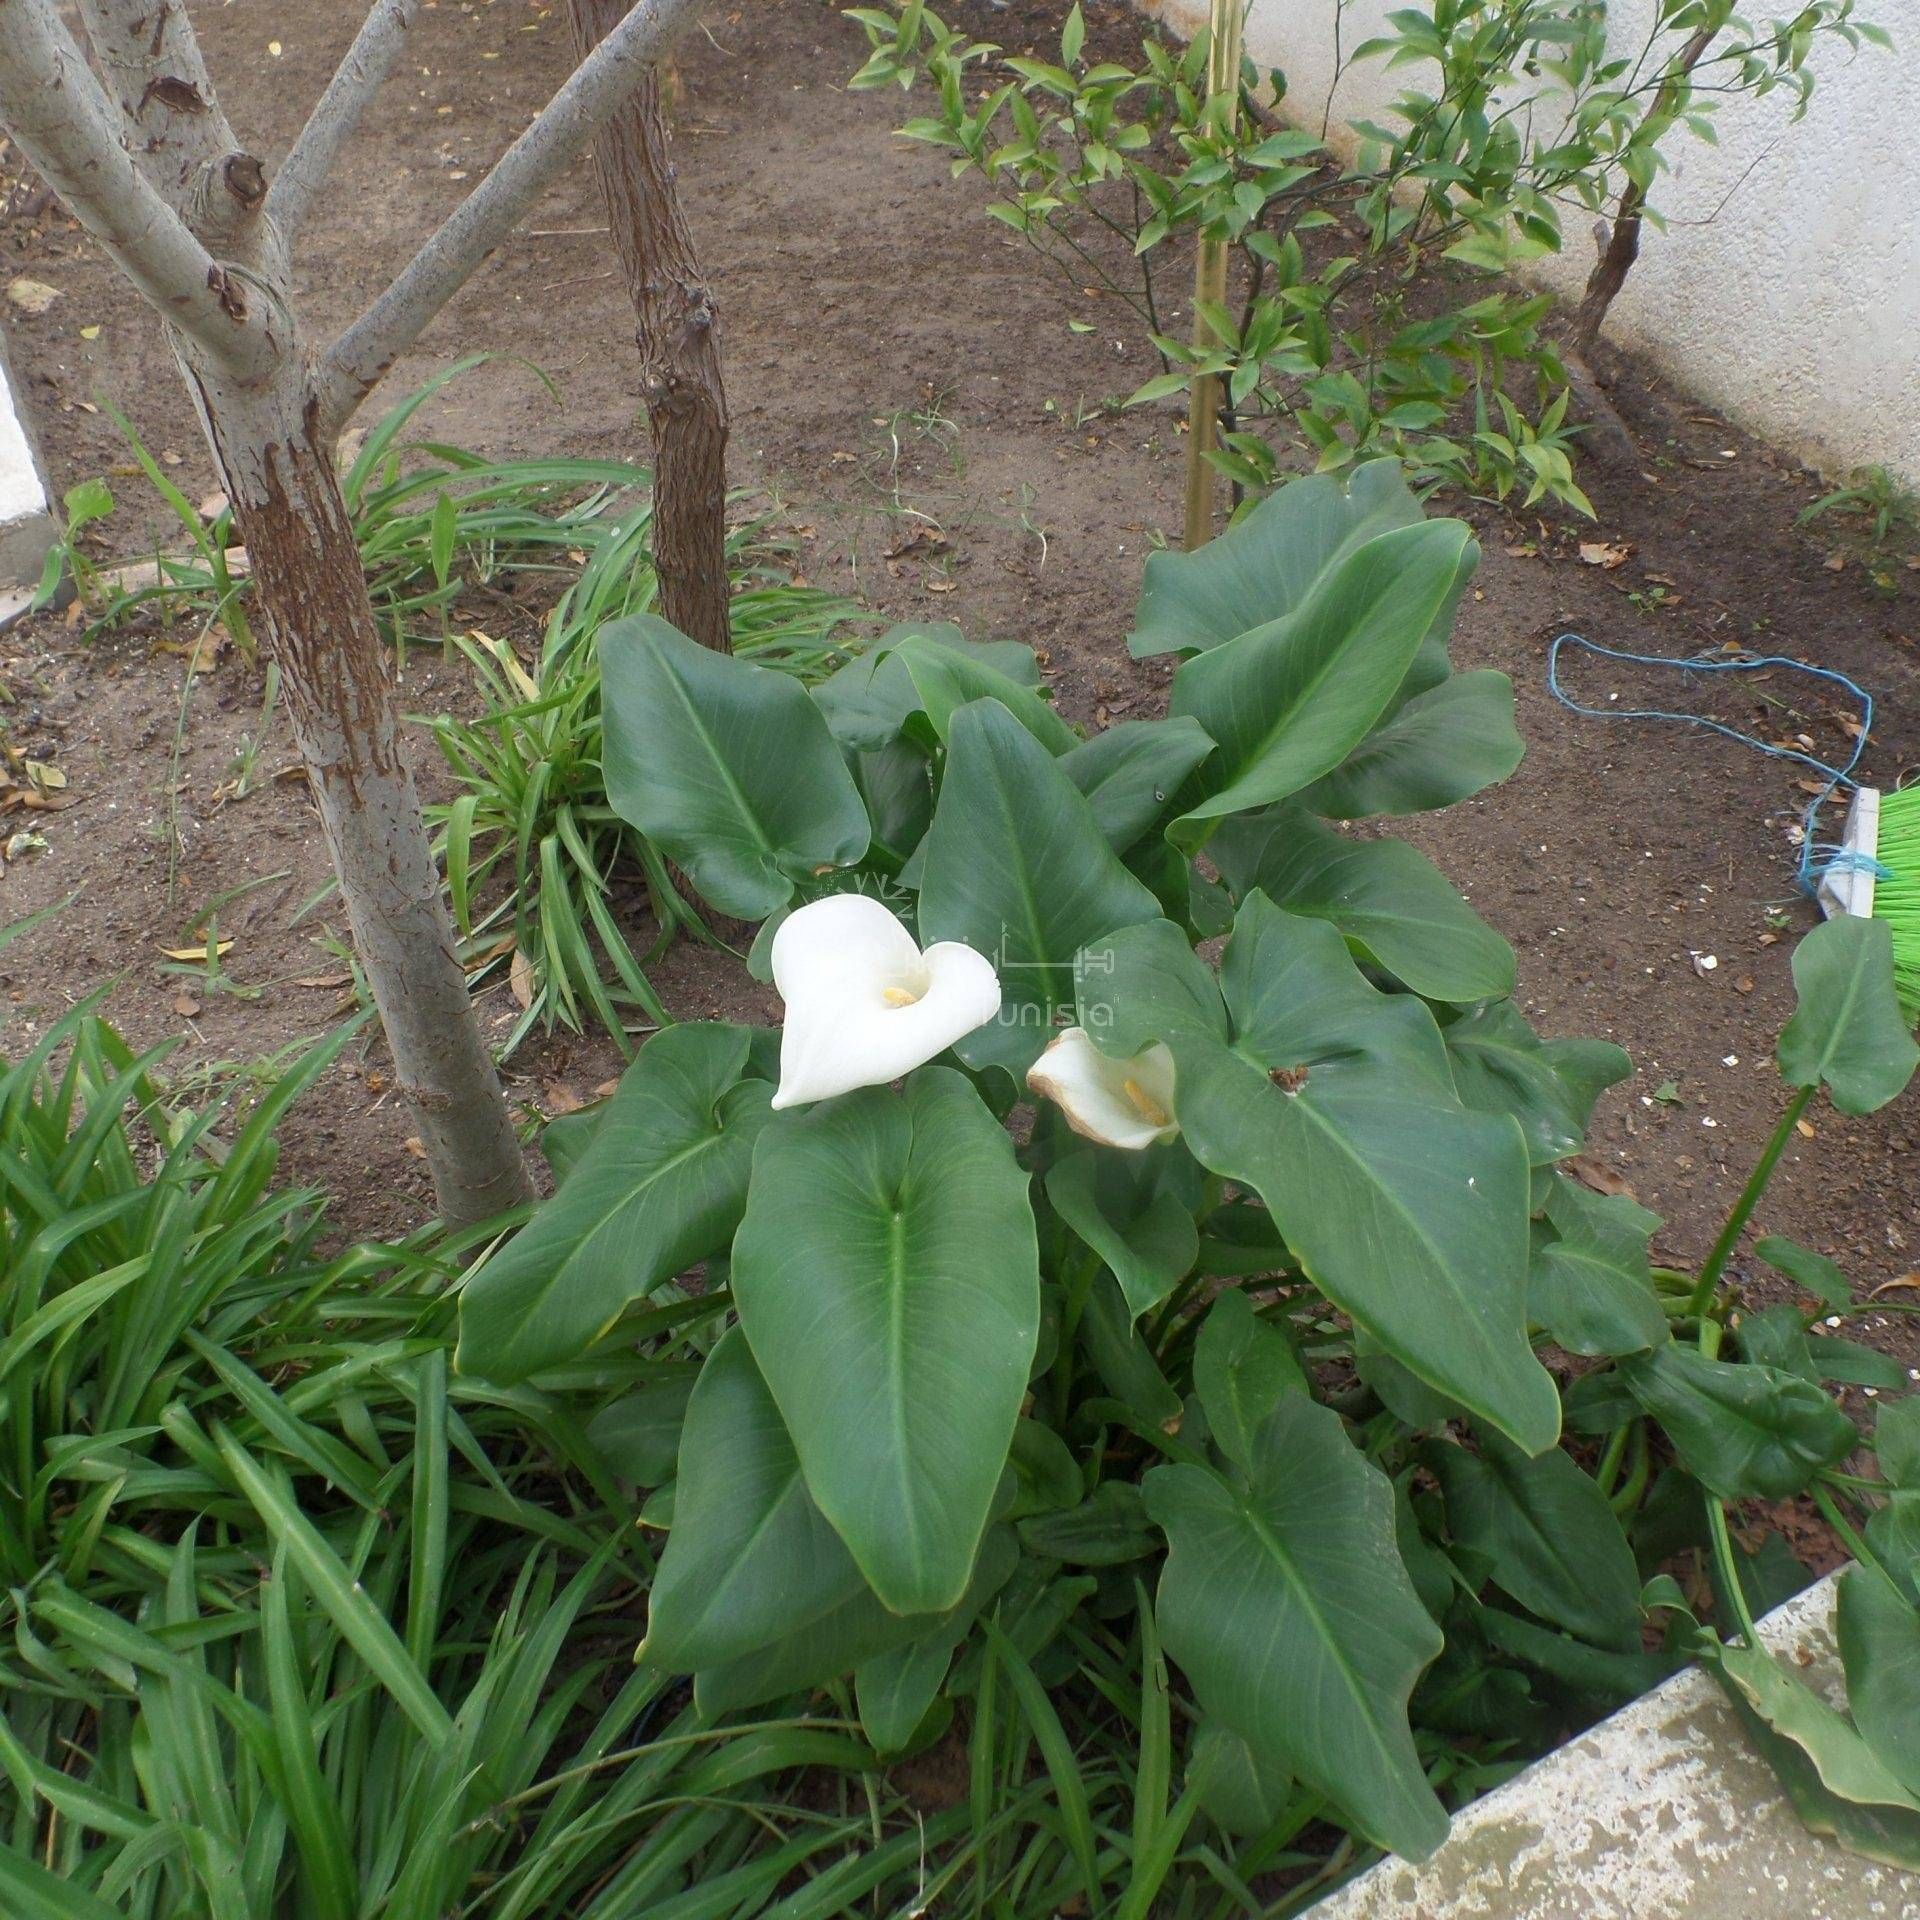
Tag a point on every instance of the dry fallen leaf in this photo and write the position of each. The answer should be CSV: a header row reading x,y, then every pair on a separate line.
x,y
185,1005
198,953
1602,553
941,586
414,1146
89,333
327,982
1835,562
44,775
560,1098
520,979
32,296
1805,1129
1597,1175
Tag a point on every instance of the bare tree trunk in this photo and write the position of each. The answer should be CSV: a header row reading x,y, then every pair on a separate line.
x,y
320,628
678,336
1622,247
148,164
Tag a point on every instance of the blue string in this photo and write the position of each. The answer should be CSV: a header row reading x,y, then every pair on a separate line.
x,y
1832,857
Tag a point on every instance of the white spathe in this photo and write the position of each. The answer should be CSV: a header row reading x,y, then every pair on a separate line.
x,y
1120,1103
864,1004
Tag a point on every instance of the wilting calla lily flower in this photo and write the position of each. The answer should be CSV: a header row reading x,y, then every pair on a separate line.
x,y
1120,1103
864,1004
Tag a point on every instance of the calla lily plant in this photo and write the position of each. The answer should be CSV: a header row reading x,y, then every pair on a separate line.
x,y
1164,1302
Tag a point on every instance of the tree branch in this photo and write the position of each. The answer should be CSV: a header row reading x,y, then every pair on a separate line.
x,y
355,362
337,113
55,110
150,61
1622,246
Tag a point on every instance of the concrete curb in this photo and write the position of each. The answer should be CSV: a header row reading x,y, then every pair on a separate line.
x,y
27,524
1662,1811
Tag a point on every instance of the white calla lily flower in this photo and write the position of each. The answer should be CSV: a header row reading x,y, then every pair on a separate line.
x,y
1119,1103
864,1004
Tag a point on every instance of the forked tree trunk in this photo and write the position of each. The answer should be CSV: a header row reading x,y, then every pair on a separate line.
x,y
152,170
677,333
311,596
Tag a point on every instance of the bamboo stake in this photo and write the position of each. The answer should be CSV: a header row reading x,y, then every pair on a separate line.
x,y
1210,285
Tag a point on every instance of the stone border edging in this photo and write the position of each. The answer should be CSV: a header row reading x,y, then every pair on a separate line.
x,y
1664,1811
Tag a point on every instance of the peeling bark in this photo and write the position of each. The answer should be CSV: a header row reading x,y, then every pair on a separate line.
x,y
155,176
677,332
319,626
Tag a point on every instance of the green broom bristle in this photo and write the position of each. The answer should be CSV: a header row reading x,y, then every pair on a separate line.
x,y
1896,892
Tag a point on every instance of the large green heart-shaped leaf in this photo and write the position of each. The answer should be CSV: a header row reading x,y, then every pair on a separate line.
x,y
1896,1440
1289,701
1130,773
1848,1029
1393,905
1138,1223
1744,1431
1143,984
847,1637
1879,1634
1441,746
887,1275
661,1185
896,787
638,1435
1241,1367
1265,565
1837,1783
929,669
749,1559
1334,1103
727,768
1122,1359
1289,1609
1018,869
1893,1533
1591,1285
947,678
1546,1534
1500,1065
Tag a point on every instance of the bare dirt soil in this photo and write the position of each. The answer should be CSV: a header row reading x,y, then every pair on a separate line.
x,y
904,381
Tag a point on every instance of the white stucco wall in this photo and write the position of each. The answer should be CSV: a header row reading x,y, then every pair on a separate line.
x,y
1787,289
